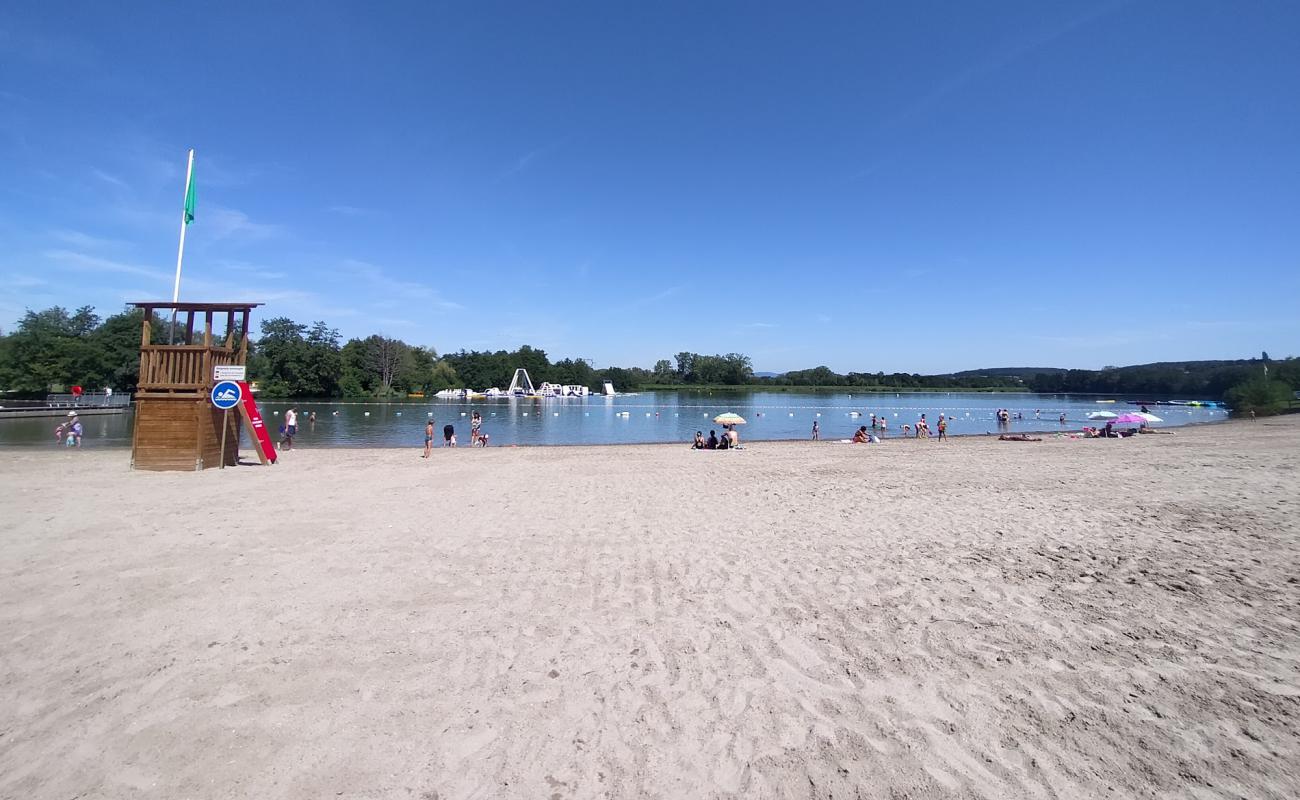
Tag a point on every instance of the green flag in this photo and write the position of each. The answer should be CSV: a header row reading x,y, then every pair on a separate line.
x,y
189,200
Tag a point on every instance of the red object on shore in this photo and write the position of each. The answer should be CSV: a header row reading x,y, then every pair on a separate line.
x,y
261,439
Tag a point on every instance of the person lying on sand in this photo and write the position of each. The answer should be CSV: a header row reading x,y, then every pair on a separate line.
x,y
1017,437
1145,429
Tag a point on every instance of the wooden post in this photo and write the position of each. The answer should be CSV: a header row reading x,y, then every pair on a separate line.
x,y
207,329
189,329
243,339
200,410
146,332
230,329
225,423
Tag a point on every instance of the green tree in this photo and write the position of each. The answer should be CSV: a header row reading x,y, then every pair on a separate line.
x,y
47,350
664,372
1263,396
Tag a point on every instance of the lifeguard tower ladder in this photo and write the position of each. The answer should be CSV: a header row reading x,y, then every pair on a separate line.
x,y
176,427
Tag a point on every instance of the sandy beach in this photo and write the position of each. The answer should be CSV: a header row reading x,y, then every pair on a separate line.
x,y
974,619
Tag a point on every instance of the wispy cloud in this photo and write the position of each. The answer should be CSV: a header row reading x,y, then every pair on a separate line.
x,y
998,60
15,281
229,223
649,299
527,160
250,271
217,171
110,179
349,211
85,240
87,263
375,277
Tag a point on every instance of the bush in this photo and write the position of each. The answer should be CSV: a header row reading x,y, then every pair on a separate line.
x,y
1259,395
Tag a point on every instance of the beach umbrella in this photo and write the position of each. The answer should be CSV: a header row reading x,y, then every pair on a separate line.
x,y
1148,417
1129,419
729,419
1103,415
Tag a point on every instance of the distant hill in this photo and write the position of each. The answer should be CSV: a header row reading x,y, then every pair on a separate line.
x,y
1006,372
767,374
1029,372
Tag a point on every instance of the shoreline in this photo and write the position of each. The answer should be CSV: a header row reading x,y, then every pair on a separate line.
x,y
1052,434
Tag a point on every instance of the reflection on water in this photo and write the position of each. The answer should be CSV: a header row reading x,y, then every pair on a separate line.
x,y
648,417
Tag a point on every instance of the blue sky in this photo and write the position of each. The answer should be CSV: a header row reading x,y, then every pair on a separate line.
x,y
871,186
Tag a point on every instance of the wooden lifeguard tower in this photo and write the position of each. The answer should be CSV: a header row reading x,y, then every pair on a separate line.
x,y
176,426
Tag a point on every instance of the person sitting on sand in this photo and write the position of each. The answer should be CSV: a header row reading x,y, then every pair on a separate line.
x,y
724,441
712,443
698,444
1017,437
733,438
860,436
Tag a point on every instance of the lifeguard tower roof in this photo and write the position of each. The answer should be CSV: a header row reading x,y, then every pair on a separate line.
x,y
186,305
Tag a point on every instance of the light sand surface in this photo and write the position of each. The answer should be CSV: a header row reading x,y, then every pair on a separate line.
x,y
976,619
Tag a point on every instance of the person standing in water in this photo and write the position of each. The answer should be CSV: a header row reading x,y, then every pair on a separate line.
x,y
290,428
817,432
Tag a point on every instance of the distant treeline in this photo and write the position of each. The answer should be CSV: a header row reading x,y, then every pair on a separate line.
x,y
51,349
1207,380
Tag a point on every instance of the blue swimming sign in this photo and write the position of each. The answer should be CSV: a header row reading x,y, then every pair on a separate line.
x,y
226,395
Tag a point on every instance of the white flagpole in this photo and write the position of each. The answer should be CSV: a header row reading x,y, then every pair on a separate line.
x,y
180,250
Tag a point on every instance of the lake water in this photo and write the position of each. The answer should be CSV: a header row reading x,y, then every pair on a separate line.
x,y
646,417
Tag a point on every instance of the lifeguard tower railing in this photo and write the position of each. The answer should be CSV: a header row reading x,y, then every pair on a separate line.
x,y
184,365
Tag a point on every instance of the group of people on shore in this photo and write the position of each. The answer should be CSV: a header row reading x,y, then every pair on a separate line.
x,y
729,440
477,436
921,430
